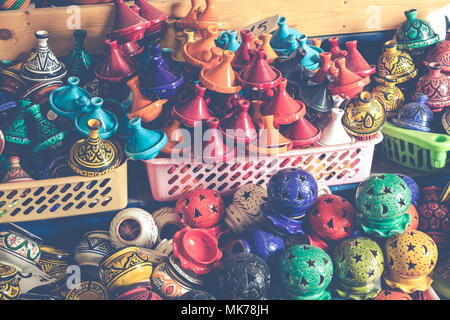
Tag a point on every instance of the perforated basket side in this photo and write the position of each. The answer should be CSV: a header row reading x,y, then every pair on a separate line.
x,y
63,197
335,165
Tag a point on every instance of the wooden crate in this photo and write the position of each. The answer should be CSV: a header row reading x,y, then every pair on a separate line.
x,y
311,17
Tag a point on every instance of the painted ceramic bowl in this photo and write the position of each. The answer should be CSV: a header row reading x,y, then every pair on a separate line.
x,y
166,283
410,259
18,250
244,276
166,222
136,292
434,220
133,227
9,283
93,248
54,262
306,273
125,267
88,290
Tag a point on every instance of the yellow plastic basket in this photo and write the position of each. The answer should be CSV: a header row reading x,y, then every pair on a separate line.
x,y
63,197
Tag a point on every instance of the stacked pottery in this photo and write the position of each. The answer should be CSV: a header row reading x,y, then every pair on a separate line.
x,y
93,248
108,120
182,37
229,40
194,110
279,36
152,15
199,52
270,141
311,60
326,67
243,55
436,86
317,96
348,84
335,50
440,54
239,125
16,133
262,41
355,62
201,18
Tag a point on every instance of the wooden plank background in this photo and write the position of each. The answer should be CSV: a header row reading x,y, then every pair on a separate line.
x,y
311,17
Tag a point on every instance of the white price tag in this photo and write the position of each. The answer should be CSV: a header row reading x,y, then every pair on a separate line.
x,y
263,26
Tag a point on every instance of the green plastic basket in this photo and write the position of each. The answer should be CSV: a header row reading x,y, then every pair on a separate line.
x,y
428,152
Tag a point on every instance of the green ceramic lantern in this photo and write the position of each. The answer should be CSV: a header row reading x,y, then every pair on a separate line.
x,y
359,264
382,201
415,33
306,272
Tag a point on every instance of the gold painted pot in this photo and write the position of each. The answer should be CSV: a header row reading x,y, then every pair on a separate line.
x,y
9,283
390,96
54,262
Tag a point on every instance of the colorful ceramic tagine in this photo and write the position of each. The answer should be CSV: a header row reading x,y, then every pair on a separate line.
x,y
221,77
446,121
434,220
108,120
17,132
132,49
157,81
88,290
335,50
283,107
388,294
311,60
306,273
441,277
292,192
396,63
197,295
228,40
358,264
46,134
136,292
175,139
128,25
262,41
259,75
245,212
239,125
440,53
280,35
153,15
364,116
133,227
244,276
19,250
436,86
196,250
167,223
199,52
334,132
221,104
42,65
11,81
194,110
243,55
63,101
181,38
326,67
93,248
347,84
415,33
214,150
410,258
302,133
115,67
390,96
125,267
413,187
331,218
355,62
201,208
317,96
9,283
415,115
54,262
78,61
382,201
94,156
143,144
202,18
15,172
270,141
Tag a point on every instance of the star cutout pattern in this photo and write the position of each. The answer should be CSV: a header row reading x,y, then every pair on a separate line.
x,y
387,190
329,200
247,195
213,208
411,265
290,257
402,202
357,258
311,263
197,214
330,224
201,197
411,247
370,273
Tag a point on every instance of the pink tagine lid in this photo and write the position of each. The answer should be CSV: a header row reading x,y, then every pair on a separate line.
x,y
128,25
239,125
193,110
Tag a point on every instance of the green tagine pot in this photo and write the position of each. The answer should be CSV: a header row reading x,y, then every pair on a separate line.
x,y
415,33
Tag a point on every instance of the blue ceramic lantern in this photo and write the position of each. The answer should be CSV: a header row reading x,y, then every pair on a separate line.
x,y
413,187
292,192
144,144
265,244
279,223
109,121
415,115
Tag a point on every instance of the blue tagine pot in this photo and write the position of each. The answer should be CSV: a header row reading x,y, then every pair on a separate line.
x,y
144,144
109,121
415,115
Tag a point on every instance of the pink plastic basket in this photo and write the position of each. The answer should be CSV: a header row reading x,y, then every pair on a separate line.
x,y
335,165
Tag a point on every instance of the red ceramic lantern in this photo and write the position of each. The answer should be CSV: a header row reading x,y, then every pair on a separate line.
x,y
434,221
392,295
201,208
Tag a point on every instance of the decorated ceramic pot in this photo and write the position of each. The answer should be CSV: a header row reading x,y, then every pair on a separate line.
x,y
88,290
54,262
390,96
434,220
410,258
136,292
415,33
167,223
331,218
9,283
441,277
265,245
382,201
358,264
244,276
93,248
364,116
440,53
413,187
415,115
18,250
164,281
133,227
306,273
292,191
430,194
245,210
388,294
201,208
436,86
160,253
395,63
125,267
